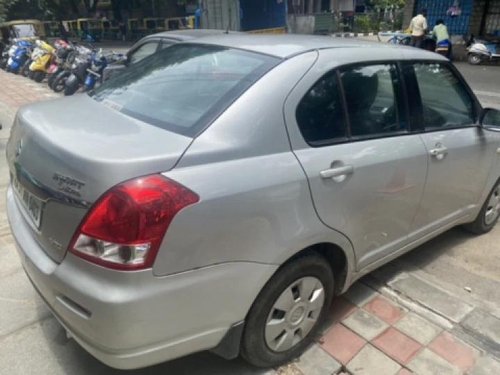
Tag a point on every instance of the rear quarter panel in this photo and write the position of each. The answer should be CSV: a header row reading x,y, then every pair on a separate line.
x,y
255,203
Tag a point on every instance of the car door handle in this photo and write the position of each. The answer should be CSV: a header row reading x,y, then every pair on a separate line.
x,y
438,151
337,171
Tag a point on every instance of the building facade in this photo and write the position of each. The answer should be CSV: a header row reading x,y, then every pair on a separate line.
x,y
479,17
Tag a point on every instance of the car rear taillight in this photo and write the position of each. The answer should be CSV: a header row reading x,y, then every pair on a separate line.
x,y
125,227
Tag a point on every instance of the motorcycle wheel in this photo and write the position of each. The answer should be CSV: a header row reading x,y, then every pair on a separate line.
x,y
38,76
52,78
26,68
70,89
31,74
474,59
59,82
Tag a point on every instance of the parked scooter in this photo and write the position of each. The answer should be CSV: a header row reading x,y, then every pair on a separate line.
x,y
35,52
63,52
444,48
41,61
19,53
480,51
93,73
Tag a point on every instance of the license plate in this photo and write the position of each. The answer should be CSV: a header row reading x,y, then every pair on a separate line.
x,y
32,205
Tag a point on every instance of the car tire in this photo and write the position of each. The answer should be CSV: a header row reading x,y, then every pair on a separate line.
x,y
296,299
489,214
474,59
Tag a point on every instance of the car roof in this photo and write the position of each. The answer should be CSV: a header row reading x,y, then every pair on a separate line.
x,y
287,45
187,34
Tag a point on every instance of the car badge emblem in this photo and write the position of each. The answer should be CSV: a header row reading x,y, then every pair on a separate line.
x,y
68,184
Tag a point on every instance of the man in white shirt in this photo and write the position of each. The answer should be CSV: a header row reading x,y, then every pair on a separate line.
x,y
418,27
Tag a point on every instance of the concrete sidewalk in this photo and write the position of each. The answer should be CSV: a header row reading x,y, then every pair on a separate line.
x,y
407,317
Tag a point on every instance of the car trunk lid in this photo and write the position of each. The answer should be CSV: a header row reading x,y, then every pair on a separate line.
x,y
64,154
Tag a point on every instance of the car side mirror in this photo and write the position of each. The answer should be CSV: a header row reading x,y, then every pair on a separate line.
x,y
490,118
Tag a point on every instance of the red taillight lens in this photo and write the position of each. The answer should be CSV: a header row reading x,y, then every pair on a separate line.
x,y
125,227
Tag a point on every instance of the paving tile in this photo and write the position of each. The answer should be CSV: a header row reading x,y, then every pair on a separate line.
x,y
370,361
486,366
454,351
385,309
341,343
397,345
417,328
428,295
405,371
365,324
341,309
19,303
429,363
316,361
360,294
485,326
43,349
289,369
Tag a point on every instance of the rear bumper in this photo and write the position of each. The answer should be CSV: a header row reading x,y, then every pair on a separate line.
x,y
134,319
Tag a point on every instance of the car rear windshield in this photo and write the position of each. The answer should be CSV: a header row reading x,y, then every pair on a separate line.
x,y
183,88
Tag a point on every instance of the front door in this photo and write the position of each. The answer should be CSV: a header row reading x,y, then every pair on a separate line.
x,y
365,169
460,154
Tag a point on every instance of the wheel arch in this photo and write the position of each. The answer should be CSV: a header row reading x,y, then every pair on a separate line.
x,y
337,260
340,261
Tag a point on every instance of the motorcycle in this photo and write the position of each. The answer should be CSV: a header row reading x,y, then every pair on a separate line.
x,y
40,61
78,55
93,73
444,48
479,51
64,51
19,53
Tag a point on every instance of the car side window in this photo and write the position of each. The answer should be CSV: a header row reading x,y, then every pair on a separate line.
x,y
143,51
445,100
320,114
372,94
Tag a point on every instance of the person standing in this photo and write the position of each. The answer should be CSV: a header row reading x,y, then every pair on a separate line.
x,y
418,27
443,43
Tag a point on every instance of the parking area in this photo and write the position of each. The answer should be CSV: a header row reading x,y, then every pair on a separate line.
x,y
435,310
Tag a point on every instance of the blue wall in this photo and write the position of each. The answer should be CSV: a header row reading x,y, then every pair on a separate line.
x,y
262,14
437,9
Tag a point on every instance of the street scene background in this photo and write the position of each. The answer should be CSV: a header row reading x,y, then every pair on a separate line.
x,y
436,310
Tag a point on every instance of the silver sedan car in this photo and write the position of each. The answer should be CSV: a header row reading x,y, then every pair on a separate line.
x,y
218,194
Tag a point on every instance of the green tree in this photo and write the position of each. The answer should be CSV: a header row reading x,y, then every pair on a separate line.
x,y
4,8
43,9
386,4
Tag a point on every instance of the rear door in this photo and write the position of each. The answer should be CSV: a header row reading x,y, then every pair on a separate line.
x,y
460,154
365,168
